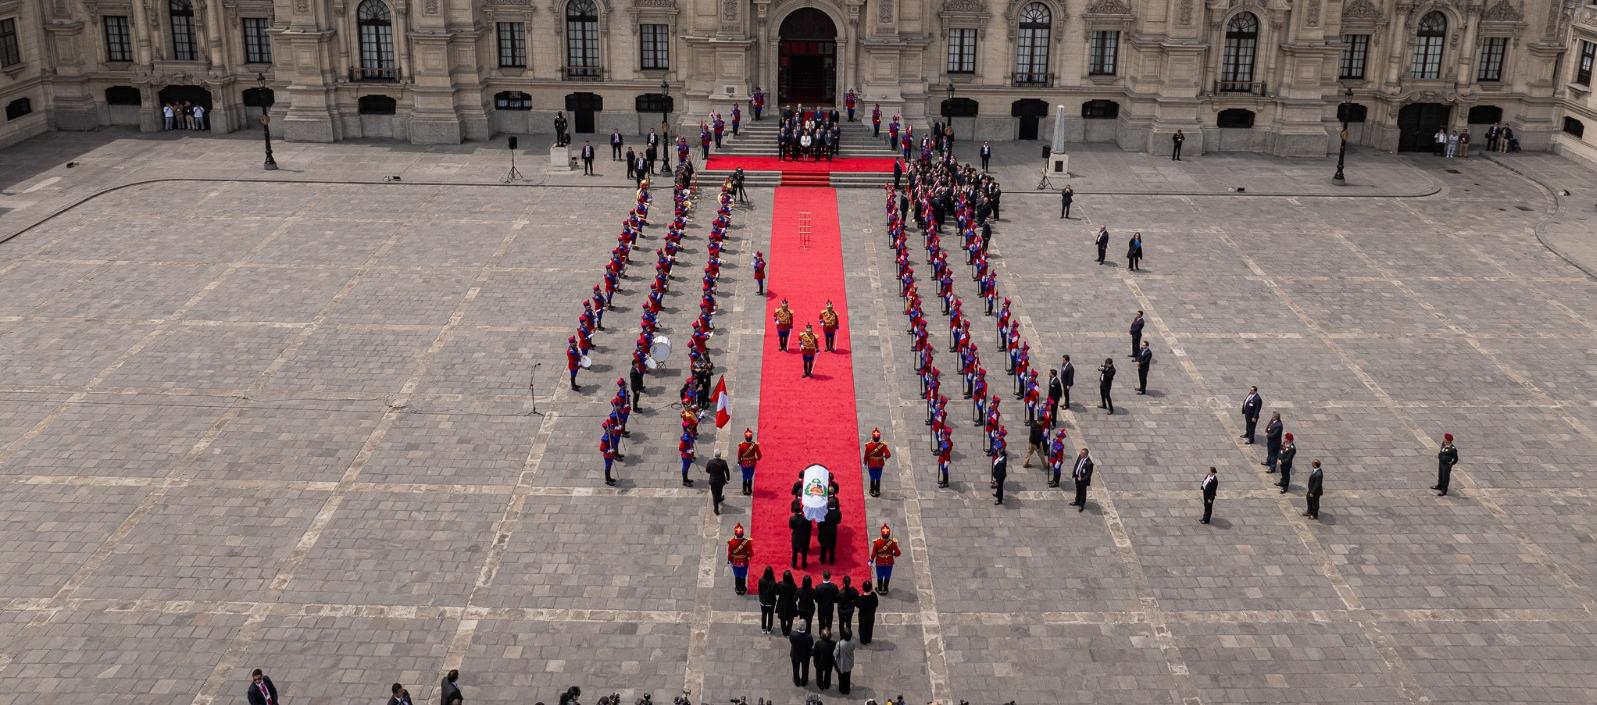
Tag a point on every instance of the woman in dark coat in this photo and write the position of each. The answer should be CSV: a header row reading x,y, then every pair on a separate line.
x,y
865,608
806,602
767,599
786,602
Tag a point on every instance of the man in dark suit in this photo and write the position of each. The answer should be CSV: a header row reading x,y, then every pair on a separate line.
x,y
587,158
616,141
1000,473
1102,242
1066,197
1316,490
800,647
1211,487
986,154
1056,391
1067,377
1272,441
825,655
1144,361
825,599
1083,476
449,691
898,173
1252,404
719,473
1136,333
801,539
260,690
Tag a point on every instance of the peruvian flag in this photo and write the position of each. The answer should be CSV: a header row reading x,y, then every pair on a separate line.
x,y
723,403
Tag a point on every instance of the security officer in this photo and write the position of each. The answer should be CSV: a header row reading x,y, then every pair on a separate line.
x,y
808,346
748,455
1252,404
784,325
1136,333
1316,490
1102,242
883,551
738,552
876,455
1083,477
587,158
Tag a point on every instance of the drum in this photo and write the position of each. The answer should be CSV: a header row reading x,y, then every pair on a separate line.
x,y
585,362
660,350
649,363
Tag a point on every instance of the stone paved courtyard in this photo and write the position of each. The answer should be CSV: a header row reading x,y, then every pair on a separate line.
x,y
288,426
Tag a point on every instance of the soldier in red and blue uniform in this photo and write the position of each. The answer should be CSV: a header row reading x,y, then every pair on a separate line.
x,y
945,454
759,272
608,451
979,395
1056,456
573,360
685,448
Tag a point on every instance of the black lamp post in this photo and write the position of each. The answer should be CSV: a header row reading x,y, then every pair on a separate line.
x,y
665,123
266,122
1341,154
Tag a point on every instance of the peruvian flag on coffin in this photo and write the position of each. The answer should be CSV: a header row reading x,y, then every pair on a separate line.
x,y
723,403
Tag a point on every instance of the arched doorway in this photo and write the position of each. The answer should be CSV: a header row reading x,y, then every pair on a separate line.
x,y
806,59
1417,124
193,95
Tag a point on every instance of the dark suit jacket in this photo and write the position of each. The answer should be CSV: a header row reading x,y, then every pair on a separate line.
x,y
801,531
449,693
253,694
1252,405
800,644
1106,377
1103,239
1068,374
1272,434
718,470
1055,389
845,601
1000,468
825,653
1086,471
1136,325
825,597
1317,482
1211,485
1144,358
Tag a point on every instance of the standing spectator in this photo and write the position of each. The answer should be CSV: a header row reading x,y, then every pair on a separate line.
x,y
767,596
1288,451
1066,197
1463,143
1000,472
986,155
1144,361
616,141
1316,490
1452,144
1083,477
1134,253
1175,141
866,606
1252,404
1272,441
199,117
400,695
825,601
826,532
1446,458
846,599
166,116
800,528
1439,142
1036,434
806,602
1102,242
800,647
844,661
260,690
449,691
632,163
1491,138
587,158
1137,324
787,602
1106,384
1211,487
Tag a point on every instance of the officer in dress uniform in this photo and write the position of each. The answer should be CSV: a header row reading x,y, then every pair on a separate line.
x,y
607,450
1289,451
829,326
1056,456
784,325
739,551
808,346
748,455
685,448
759,272
1446,458
876,455
883,551
573,360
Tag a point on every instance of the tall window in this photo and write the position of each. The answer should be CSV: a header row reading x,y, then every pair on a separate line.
x,y
10,48
512,45
257,46
582,39
961,51
1491,65
1031,51
1241,44
118,40
1428,41
1588,54
1102,53
376,40
1355,54
656,46
182,30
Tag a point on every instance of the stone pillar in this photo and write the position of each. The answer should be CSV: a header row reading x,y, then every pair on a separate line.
x,y
72,106
433,119
301,51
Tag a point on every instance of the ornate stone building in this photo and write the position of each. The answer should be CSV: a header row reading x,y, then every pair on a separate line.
x,y
1255,75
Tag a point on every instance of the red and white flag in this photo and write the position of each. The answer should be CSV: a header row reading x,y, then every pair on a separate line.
x,y
723,403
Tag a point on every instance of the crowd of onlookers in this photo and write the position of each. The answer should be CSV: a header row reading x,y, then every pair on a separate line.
x,y
1499,138
182,115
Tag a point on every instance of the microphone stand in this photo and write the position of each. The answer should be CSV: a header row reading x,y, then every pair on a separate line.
x,y
532,389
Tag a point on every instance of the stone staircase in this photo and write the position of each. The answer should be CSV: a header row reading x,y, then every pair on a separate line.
x,y
758,139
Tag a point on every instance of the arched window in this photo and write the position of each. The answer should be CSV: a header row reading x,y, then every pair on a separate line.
x,y
1574,127
1237,118
1241,45
182,30
582,39
1031,49
1428,43
376,41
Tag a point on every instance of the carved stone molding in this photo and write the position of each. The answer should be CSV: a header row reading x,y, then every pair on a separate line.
x,y
1184,15
1502,11
1360,10
964,6
1313,17
1109,7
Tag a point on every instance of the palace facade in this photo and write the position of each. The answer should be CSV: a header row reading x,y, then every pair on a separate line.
x,y
1251,75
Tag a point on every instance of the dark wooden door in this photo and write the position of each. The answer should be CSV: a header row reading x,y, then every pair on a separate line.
x,y
1028,127
1417,124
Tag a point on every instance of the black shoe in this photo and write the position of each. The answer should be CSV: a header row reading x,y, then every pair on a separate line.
x,y
687,483
611,483
1284,490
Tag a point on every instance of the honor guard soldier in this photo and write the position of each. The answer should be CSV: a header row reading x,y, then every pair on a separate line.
x,y
883,551
748,455
739,551
876,455
1056,456
784,325
945,454
607,449
759,272
573,360
829,326
1446,458
685,447
808,346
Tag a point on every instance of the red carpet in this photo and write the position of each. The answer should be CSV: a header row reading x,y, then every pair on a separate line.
x,y
868,165
805,421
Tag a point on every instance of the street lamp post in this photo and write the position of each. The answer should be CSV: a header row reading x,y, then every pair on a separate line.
x,y
665,123
266,122
1341,153
949,104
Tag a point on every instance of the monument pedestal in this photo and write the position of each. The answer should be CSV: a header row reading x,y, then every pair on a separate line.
x,y
1059,164
560,158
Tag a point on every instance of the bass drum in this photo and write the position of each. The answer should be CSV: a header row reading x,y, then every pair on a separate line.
x,y
660,350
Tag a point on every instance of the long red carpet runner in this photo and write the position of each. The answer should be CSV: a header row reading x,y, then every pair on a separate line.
x,y
871,165
806,421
